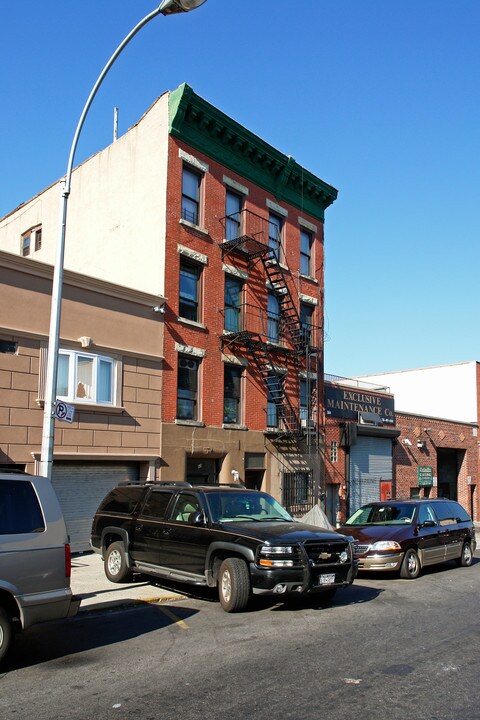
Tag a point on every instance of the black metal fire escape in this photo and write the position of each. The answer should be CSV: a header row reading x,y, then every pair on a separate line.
x,y
251,241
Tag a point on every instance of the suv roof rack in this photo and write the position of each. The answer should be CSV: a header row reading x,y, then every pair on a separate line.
x,y
234,485
176,483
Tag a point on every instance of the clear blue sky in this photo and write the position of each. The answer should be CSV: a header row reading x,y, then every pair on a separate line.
x,y
380,98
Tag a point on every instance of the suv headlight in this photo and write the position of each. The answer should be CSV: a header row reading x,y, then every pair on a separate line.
x,y
385,545
276,556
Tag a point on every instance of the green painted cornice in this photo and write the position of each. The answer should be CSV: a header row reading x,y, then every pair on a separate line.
x,y
204,127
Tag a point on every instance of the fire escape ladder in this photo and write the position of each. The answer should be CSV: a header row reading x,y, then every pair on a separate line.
x,y
275,386
290,317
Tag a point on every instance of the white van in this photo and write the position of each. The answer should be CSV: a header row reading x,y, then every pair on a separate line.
x,y
35,563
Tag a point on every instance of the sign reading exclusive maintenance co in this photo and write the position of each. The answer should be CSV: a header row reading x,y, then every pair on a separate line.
x,y
347,403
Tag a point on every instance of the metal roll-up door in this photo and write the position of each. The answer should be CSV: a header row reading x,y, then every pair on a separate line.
x,y
81,487
370,464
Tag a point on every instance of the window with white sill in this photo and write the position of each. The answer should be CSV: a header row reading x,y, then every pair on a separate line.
x,y
86,378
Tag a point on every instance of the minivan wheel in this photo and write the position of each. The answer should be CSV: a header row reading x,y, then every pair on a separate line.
x,y
6,632
410,566
115,563
466,558
233,585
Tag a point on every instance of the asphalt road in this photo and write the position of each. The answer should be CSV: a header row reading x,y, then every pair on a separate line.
x,y
387,649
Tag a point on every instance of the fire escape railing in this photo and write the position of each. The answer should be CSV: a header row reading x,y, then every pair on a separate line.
x,y
261,332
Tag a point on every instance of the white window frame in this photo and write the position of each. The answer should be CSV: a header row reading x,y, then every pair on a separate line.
x,y
334,451
72,396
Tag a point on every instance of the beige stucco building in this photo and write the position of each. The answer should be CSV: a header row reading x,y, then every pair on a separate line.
x,y
114,436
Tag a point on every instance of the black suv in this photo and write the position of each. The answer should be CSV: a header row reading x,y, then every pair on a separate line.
x,y
240,541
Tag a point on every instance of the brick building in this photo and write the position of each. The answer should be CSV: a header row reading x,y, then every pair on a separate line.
x,y
192,207
437,458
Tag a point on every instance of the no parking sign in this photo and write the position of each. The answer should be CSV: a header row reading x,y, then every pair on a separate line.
x,y
63,411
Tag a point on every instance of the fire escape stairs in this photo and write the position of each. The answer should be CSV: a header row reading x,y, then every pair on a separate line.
x,y
288,310
252,245
274,382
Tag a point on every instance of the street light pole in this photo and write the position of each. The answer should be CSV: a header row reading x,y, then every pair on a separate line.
x,y
167,7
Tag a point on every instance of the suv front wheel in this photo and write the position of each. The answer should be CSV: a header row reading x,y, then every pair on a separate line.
x,y
233,585
115,563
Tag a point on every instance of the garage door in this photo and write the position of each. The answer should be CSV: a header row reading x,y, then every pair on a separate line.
x,y
81,487
370,463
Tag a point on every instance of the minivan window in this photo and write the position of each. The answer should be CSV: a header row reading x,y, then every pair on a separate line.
x,y
121,500
397,514
425,513
20,510
449,513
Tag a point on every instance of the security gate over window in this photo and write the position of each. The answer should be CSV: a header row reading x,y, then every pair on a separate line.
x,y
297,493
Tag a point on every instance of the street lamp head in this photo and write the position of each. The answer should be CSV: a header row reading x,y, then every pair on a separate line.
x,y
169,7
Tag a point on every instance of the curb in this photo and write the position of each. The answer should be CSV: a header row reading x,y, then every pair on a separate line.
x,y
130,602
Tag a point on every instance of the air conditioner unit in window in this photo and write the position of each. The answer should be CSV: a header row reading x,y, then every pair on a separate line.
x,y
307,424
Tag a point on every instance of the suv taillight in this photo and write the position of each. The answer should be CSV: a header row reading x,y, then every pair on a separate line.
x,y
68,561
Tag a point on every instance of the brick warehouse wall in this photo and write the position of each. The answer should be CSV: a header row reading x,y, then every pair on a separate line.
x,y
335,469
441,434
436,434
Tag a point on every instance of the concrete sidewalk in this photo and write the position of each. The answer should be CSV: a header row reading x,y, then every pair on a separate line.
x,y
98,593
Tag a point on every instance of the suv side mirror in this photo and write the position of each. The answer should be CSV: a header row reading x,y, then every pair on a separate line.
x,y
198,518
428,523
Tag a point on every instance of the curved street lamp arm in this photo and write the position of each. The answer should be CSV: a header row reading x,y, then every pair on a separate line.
x,y
100,79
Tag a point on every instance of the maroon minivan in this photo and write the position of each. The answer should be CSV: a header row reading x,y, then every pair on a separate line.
x,y
405,536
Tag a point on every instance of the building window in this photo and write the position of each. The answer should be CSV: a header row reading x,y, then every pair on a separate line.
x,y
273,318
274,397
191,182
82,377
307,402
334,451
38,238
26,244
232,392
297,490
31,240
303,402
306,318
306,245
187,388
189,306
233,304
275,226
233,211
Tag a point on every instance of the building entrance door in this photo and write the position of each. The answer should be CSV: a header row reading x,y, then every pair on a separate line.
x,y
448,464
202,471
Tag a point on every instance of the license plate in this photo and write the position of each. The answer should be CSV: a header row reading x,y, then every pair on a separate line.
x,y
327,579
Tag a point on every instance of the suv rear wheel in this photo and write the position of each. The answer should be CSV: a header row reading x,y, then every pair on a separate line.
x,y
6,632
115,563
233,585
